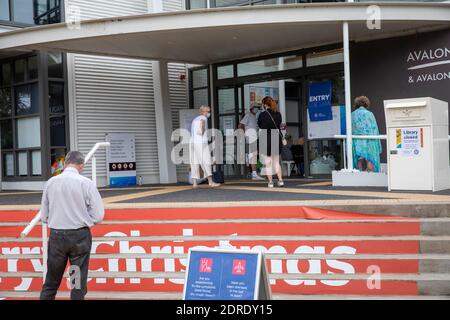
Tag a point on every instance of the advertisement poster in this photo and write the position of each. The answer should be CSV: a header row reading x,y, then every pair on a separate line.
x,y
258,93
409,141
319,101
121,159
222,275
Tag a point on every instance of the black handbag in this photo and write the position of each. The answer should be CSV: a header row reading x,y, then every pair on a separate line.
x,y
218,176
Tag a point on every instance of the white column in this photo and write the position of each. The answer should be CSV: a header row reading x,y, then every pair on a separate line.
x,y
167,169
281,92
348,102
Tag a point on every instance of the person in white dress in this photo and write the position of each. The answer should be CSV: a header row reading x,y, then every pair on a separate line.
x,y
200,154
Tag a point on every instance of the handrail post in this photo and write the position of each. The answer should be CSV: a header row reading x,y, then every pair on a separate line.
x,y
44,251
94,170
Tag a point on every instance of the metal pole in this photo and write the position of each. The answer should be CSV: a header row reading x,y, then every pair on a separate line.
x,y
44,250
94,170
348,106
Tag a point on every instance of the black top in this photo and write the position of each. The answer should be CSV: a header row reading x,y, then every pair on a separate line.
x,y
265,122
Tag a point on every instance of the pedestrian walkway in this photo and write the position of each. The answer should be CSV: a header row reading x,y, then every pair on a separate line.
x,y
297,192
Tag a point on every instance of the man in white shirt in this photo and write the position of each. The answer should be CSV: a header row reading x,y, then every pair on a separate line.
x,y
71,205
250,125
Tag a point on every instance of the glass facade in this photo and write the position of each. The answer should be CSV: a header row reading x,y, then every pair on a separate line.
x,y
197,4
30,12
32,127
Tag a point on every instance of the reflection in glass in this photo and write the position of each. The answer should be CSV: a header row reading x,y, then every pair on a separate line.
x,y
8,164
199,78
57,157
55,65
5,102
227,125
225,72
324,57
36,163
57,131
26,99
4,10
23,11
19,70
226,101
28,132
197,4
5,74
32,68
200,98
22,160
6,134
56,97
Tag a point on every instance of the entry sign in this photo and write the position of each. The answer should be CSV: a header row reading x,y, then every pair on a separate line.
x,y
121,158
218,274
319,101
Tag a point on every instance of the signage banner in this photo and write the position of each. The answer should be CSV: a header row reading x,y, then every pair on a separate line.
x,y
409,141
319,101
121,159
214,274
327,129
181,221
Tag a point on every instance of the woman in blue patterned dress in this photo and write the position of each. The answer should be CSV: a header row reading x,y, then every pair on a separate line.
x,y
366,153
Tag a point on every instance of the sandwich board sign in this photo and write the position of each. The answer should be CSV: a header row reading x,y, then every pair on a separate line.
x,y
223,274
121,159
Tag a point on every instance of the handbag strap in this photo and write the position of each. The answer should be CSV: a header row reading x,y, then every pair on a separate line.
x,y
273,120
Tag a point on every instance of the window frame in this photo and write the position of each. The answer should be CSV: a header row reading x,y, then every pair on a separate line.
x,y
13,23
43,82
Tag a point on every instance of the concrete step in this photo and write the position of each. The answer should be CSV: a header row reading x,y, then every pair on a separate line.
x,y
284,276
179,296
280,256
442,239
412,208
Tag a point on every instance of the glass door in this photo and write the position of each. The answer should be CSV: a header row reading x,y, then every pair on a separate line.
x,y
325,154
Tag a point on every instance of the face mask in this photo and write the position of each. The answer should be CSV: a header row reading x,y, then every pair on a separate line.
x,y
208,115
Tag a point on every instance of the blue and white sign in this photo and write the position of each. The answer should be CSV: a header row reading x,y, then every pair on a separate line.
x,y
319,101
329,128
121,159
216,274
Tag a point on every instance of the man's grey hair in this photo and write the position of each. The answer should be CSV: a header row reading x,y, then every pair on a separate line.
x,y
74,157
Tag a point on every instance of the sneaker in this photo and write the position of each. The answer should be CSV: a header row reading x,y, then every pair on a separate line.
x,y
258,178
280,183
270,185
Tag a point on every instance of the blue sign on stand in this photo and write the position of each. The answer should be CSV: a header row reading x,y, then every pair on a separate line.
x,y
216,274
319,101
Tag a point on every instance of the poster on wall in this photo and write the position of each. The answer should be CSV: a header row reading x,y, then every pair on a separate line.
x,y
258,93
121,159
319,101
329,128
409,141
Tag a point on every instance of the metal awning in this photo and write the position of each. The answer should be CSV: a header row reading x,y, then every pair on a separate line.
x,y
215,35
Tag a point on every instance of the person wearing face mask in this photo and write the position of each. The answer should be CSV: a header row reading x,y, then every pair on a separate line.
x,y
250,126
270,120
200,154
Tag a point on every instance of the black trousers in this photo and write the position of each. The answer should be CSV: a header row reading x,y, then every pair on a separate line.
x,y
63,245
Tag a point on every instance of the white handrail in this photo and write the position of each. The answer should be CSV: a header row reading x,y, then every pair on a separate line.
x,y
371,137
91,153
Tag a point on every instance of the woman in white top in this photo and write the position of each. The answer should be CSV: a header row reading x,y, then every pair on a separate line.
x,y
200,154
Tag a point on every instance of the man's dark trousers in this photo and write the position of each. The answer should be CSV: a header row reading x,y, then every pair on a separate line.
x,y
63,245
